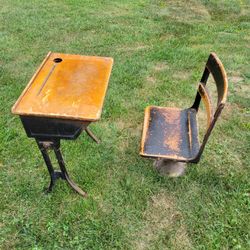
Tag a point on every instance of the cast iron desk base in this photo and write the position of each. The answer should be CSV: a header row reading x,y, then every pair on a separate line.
x,y
47,133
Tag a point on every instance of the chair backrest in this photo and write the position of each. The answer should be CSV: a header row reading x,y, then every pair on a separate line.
x,y
216,69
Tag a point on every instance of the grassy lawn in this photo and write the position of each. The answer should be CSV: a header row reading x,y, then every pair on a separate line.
x,y
159,50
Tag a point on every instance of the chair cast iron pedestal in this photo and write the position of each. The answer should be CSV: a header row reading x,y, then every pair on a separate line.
x,y
169,167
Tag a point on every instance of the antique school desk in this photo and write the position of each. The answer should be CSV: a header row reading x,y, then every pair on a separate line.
x,y
63,97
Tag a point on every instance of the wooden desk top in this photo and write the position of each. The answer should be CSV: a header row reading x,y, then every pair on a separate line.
x,y
66,86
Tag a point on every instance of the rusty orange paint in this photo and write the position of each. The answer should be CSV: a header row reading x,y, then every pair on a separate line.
x,y
68,87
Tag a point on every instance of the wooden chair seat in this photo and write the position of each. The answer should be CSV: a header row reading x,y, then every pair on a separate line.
x,y
170,133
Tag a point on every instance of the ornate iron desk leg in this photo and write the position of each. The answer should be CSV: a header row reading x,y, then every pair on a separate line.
x,y
44,146
64,171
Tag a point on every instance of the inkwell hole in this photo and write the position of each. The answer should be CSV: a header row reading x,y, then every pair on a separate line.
x,y
57,60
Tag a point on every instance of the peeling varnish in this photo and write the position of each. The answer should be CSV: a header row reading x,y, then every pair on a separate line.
x,y
172,139
189,131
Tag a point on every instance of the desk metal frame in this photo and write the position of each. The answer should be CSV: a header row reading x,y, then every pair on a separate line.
x,y
48,132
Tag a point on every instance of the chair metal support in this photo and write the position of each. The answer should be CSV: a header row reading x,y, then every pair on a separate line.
x,y
91,134
44,147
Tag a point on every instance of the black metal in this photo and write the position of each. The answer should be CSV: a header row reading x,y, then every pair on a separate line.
x,y
64,171
47,160
43,127
91,135
44,146
209,130
204,79
48,132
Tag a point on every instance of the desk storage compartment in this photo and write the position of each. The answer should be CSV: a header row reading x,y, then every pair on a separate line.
x,y
42,127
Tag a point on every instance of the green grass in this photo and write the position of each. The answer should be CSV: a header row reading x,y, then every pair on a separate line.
x,y
159,50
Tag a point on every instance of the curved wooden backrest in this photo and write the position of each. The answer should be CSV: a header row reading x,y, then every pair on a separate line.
x,y
216,69
207,101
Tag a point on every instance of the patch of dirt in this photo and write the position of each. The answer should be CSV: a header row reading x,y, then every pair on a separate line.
x,y
121,124
245,10
182,240
136,131
150,80
185,11
182,75
121,12
160,66
235,79
161,217
133,48
147,89
241,88
113,10
207,47
228,110
129,130
166,37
